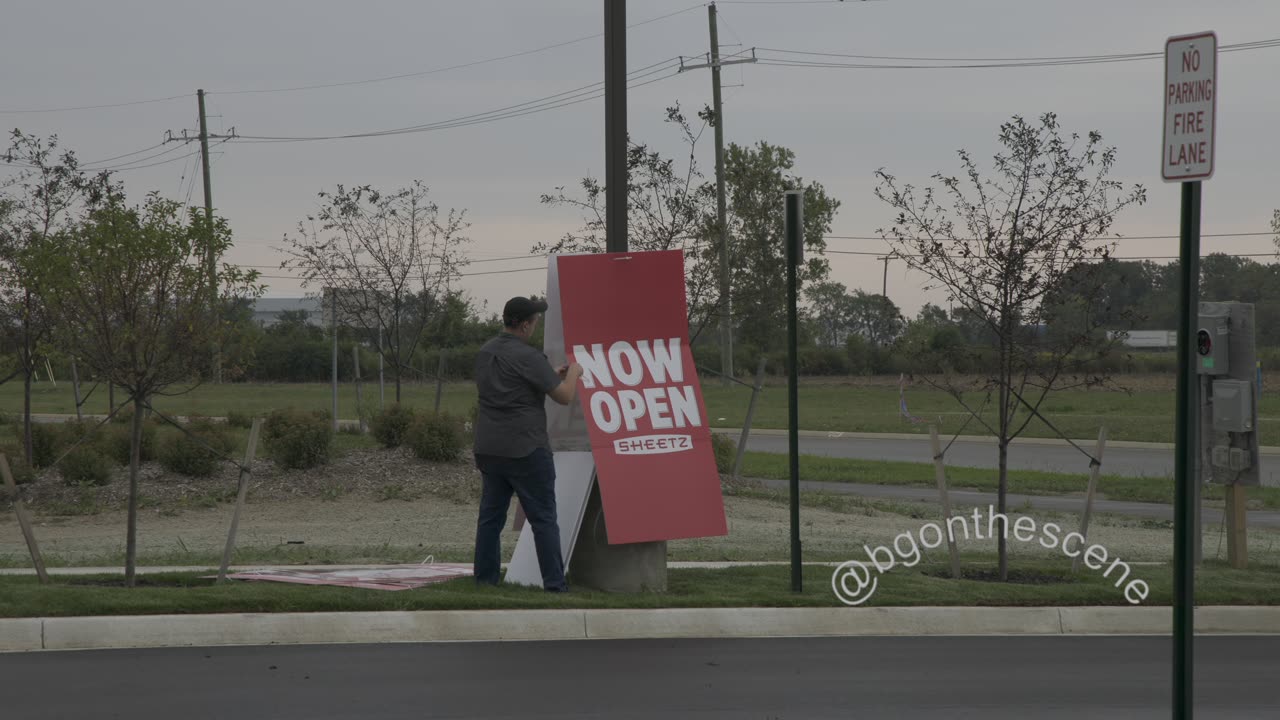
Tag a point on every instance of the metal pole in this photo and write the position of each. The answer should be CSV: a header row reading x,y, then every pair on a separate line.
x,y
726,326
794,238
615,124
1184,509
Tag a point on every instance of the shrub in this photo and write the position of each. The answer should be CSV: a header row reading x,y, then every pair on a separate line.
x,y
47,443
438,438
85,466
186,455
297,439
117,440
22,472
390,426
725,450
238,419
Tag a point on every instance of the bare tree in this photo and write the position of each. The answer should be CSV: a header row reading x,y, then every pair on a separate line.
x,y
383,261
128,293
669,207
1018,251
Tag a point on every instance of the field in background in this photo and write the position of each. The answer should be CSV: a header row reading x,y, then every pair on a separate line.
x,y
851,405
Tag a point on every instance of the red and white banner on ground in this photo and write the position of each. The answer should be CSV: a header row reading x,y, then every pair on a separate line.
x,y
625,321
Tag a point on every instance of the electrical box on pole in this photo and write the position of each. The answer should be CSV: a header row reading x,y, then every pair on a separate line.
x,y
1226,357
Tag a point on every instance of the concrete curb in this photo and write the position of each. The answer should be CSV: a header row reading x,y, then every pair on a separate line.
x,y
159,631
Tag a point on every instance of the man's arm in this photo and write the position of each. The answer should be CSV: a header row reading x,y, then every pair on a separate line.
x,y
564,392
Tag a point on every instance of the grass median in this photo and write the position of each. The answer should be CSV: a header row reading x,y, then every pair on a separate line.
x,y
1049,584
1027,482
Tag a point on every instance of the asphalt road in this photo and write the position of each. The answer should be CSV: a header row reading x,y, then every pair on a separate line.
x,y
955,678
1131,462
1057,503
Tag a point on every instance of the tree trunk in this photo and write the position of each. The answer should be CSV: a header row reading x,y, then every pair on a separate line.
x,y
1002,492
28,363
135,457
1001,506
397,351
27,447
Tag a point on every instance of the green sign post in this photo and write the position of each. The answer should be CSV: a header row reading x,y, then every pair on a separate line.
x,y
1190,103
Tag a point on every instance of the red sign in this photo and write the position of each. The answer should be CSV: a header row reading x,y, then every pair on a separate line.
x,y
625,321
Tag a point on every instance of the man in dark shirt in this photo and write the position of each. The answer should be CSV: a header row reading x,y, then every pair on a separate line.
x,y
512,451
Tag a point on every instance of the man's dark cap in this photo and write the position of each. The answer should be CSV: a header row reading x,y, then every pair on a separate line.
x,y
519,309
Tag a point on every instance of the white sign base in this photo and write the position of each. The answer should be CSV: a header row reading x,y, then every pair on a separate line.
x,y
575,472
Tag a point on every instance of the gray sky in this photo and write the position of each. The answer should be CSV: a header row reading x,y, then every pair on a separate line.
x,y
842,123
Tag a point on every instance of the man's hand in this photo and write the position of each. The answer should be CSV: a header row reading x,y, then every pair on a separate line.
x,y
569,375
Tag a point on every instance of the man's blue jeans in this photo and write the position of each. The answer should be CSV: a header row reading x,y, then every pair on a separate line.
x,y
533,479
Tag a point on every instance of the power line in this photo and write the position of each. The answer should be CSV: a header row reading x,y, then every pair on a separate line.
x,y
154,164
1120,237
550,102
117,157
449,68
509,56
896,62
543,268
95,107
469,261
1111,257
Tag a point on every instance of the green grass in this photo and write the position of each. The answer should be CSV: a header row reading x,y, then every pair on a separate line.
x,y
1140,416
1027,482
249,398
764,586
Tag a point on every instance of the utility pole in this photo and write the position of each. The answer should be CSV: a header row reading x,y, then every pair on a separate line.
x,y
725,309
203,136
884,287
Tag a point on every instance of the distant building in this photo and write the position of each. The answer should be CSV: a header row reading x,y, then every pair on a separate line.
x,y
267,311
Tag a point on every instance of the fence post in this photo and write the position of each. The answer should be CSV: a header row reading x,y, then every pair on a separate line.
x,y
1095,469
940,475
746,424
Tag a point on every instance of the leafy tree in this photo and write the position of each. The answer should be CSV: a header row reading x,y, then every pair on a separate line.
x,y
756,178
37,202
669,207
128,291
830,312
875,317
1275,228
382,260
1002,247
